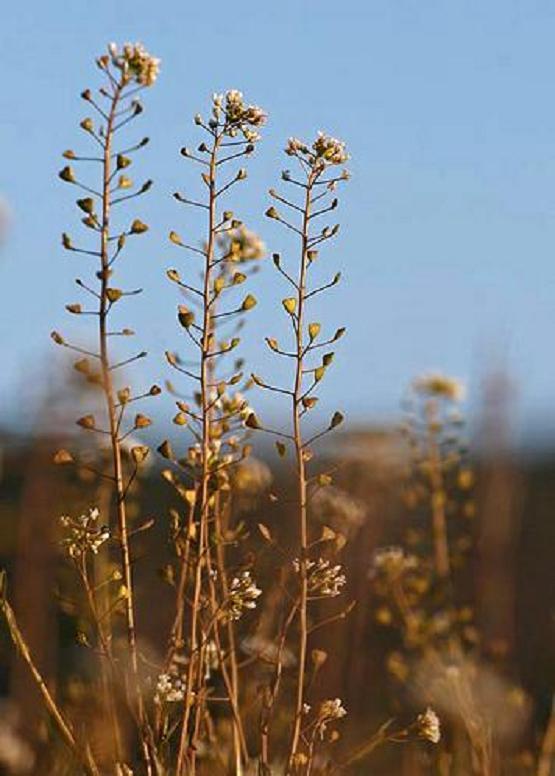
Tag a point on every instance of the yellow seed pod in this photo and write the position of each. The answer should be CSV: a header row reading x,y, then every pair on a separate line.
x,y
142,421
139,453
290,305
87,421
313,330
138,227
248,302
319,372
175,238
465,479
114,294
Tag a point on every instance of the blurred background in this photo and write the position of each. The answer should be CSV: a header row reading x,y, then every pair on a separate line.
x,y
446,243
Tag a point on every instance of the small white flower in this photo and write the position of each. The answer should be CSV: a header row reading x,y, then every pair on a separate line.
x,y
83,534
329,711
323,579
169,689
429,726
243,594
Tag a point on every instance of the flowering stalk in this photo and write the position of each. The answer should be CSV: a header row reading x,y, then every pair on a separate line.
x,y
127,73
232,126
314,161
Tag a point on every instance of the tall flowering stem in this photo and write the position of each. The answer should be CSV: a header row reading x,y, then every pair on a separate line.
x,y
317,183
127,72
231,134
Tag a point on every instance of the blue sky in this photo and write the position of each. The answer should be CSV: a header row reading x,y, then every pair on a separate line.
x,y
448,225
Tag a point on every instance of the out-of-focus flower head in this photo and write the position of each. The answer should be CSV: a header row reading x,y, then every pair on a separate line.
x,y
392,562
436,385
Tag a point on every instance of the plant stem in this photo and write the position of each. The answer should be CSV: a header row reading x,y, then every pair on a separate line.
x,y
301,475
203,501
109,394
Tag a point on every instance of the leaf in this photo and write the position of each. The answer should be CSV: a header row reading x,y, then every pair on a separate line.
x,y
75,308
175,238
282,449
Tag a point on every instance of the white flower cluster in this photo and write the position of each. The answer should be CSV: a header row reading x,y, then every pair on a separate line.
x,y
237,115
170,689
323,578
393,562
83,534
330,149
438,385
329,711
243,593
429,726
135,63
325,150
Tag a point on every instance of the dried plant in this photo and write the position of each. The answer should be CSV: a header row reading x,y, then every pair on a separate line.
x,y
234,684
440,656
